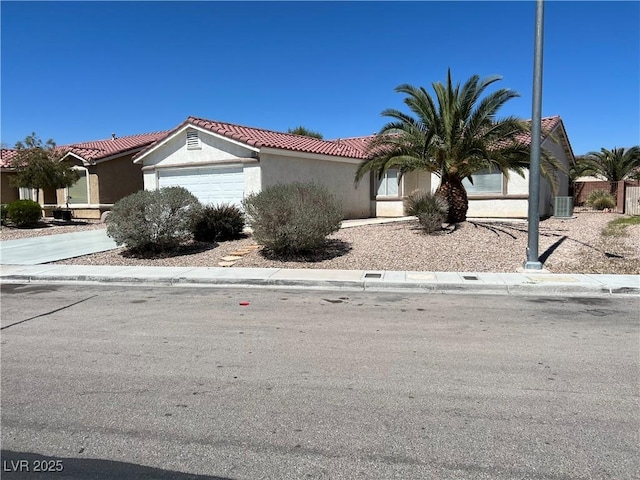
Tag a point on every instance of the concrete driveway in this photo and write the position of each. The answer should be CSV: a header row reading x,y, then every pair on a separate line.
x,y
51,248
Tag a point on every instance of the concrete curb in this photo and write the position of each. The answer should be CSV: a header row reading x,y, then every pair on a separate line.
x,y
347,280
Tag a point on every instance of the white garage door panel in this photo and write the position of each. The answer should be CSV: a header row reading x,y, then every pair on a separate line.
x,y
209,185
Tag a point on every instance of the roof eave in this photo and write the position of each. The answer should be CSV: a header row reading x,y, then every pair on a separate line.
x,y
311,156
177,131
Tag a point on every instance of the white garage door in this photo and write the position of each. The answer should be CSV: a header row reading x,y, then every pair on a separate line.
x,y
209,185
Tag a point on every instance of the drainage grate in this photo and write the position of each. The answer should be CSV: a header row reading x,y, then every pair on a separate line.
x,y
372,275
470,277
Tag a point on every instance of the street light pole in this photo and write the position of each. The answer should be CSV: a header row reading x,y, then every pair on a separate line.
x,y
533,262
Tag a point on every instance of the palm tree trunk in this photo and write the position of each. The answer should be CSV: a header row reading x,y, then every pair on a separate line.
x,y
453,192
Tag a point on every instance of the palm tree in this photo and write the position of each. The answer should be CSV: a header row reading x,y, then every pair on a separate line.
x,y
454,137
613,165
300,130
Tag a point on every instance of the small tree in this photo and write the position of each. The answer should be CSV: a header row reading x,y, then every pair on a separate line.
x,y
38,166
300,130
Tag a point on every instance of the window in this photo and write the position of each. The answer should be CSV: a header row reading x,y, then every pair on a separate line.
x,y
484,181
78,193
26,193
193,140
389,184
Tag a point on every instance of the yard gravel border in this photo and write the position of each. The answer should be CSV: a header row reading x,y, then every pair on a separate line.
x,y
573,245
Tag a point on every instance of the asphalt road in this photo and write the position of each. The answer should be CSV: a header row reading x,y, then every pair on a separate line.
x,y
170,383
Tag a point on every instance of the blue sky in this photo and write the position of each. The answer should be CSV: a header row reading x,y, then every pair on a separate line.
x,y
78,71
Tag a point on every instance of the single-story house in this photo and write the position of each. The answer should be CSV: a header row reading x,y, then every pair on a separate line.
x,y
107,174
222,162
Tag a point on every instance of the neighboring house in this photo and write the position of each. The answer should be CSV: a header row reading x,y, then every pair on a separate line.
x,y
107,174
8,193
222,162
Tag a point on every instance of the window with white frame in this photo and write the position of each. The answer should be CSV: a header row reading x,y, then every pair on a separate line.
x,y
26,193
484,182
389,184
78,193
193,140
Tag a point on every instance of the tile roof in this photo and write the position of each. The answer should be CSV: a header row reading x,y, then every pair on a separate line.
x,y
548,124
262,138
6,156
97,149
354,147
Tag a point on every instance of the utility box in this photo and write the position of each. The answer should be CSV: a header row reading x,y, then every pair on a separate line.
x,y
563,207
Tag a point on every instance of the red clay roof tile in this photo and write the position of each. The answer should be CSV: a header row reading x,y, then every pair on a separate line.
x,y
97,149
354,147
259,138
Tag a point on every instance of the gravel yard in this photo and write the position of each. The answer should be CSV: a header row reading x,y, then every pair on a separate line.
x,y
49,227
566,246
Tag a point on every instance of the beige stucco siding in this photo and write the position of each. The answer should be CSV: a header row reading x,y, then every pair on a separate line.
x,y
115,179
337,176
213,151
507,206
498,208
394,207
174,152
9,193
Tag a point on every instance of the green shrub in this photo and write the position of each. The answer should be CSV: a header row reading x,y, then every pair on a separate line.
x,y
601,199
217,223
153,220
3,214
24,213
430,210
293,218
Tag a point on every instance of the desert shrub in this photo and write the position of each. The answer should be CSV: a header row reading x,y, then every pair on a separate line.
x,y
217,223
293,218
3,214
431,210
601,199
24,213
153,220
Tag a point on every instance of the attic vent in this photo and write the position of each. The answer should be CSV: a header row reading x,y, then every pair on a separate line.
x,y
193,140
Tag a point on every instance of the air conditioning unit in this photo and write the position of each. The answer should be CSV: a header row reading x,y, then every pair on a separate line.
x,y
563,207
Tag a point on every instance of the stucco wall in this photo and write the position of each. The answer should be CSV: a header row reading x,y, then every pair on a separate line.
x,y
389,207
516,186
252,178
150,180
560,154
8,192
213,150
417,181
174,151
338,177
498,208
115,179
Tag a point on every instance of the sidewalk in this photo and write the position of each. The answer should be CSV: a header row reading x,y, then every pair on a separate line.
x,y
542,284
28,260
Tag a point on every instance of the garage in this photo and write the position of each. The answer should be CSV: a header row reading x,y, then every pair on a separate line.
x,y
211,185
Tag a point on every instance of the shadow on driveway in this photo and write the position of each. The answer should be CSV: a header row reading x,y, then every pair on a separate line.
x,y
20,465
